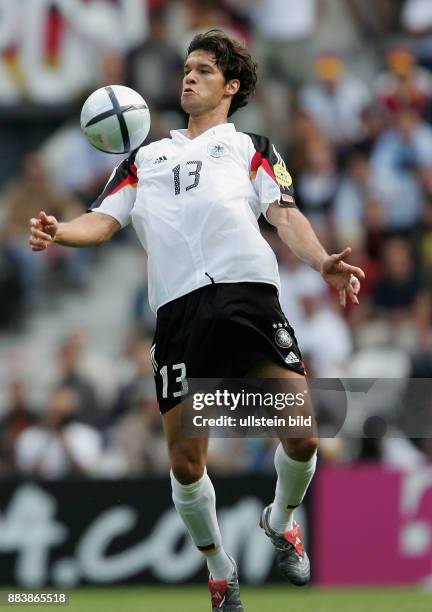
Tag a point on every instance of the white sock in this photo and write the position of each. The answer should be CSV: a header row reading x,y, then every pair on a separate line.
x,y
196,504
293,480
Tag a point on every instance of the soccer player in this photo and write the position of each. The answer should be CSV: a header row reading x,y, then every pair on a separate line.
x,y
194,200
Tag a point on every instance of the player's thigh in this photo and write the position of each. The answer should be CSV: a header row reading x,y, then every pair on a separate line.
x,y
187,455
302,440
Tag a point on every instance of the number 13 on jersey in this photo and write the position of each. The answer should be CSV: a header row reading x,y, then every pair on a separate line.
x,y
195,172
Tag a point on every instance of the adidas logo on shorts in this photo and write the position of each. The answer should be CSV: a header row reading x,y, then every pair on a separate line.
x,y
292,358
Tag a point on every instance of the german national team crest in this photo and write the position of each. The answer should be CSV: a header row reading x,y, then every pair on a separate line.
x,y
216,150
282,336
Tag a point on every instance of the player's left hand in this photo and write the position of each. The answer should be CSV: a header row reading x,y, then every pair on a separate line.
x,y
342,276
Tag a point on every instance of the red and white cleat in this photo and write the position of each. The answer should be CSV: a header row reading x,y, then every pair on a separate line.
x,y
292,560
225,594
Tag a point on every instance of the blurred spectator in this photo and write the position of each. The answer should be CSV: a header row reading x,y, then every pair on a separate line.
x,y
230,455
375,222
317,183
260,454
425,246
304,133
371,127
416,18
353,191
12,291
138,434
282,46
322,334
283,38
238,14
299,282
70,363
150,63
356,314
59,446
140,383
402,165
400,283
404,84
75,166
327,342
350,29
389,16
335,100
18,417
399,298
29,194
195,16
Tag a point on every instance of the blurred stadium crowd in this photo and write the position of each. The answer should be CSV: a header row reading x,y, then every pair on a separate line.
x,y
345,93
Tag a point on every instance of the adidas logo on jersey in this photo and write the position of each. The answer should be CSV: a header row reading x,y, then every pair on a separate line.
x,y
292,358
160,159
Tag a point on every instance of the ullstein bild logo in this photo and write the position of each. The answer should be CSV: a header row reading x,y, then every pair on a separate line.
x,y
251,421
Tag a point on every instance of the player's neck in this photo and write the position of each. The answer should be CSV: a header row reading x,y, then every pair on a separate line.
x,y
199,124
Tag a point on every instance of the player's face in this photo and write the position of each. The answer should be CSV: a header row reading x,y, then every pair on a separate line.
x,y
204,86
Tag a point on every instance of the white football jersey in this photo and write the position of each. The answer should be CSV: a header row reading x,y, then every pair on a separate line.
x,y
195,204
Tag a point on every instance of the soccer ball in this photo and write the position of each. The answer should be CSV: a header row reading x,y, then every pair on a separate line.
x,y
115,119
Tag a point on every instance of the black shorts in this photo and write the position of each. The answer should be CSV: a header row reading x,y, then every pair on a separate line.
x,y
222,330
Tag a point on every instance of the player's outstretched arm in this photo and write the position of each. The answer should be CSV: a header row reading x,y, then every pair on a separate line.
x,y
90,229
297,233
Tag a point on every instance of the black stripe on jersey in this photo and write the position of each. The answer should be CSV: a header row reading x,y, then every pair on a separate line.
x,y
124,173
118,111
264,146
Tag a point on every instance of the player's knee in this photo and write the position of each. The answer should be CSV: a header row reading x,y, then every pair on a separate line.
x,y
303,449
185,469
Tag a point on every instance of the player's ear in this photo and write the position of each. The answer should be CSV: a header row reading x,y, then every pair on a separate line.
x,y
232,87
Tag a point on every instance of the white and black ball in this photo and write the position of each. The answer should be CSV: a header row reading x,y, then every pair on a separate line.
x,y
115,119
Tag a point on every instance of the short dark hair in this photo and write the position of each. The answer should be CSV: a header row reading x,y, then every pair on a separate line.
x,y
233,59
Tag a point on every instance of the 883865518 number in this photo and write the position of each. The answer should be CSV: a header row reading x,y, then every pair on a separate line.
x,y
32,598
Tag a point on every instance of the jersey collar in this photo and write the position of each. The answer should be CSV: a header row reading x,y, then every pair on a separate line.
x,y
217,130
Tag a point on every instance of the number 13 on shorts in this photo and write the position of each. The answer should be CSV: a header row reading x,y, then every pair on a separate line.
x,y
174,377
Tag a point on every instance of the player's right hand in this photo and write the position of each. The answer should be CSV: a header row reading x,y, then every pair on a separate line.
x,y
42,231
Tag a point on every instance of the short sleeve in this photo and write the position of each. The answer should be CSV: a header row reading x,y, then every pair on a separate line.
x,y
269,175
118,197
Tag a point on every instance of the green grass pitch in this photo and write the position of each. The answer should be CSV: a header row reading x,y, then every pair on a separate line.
x,y
259,599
